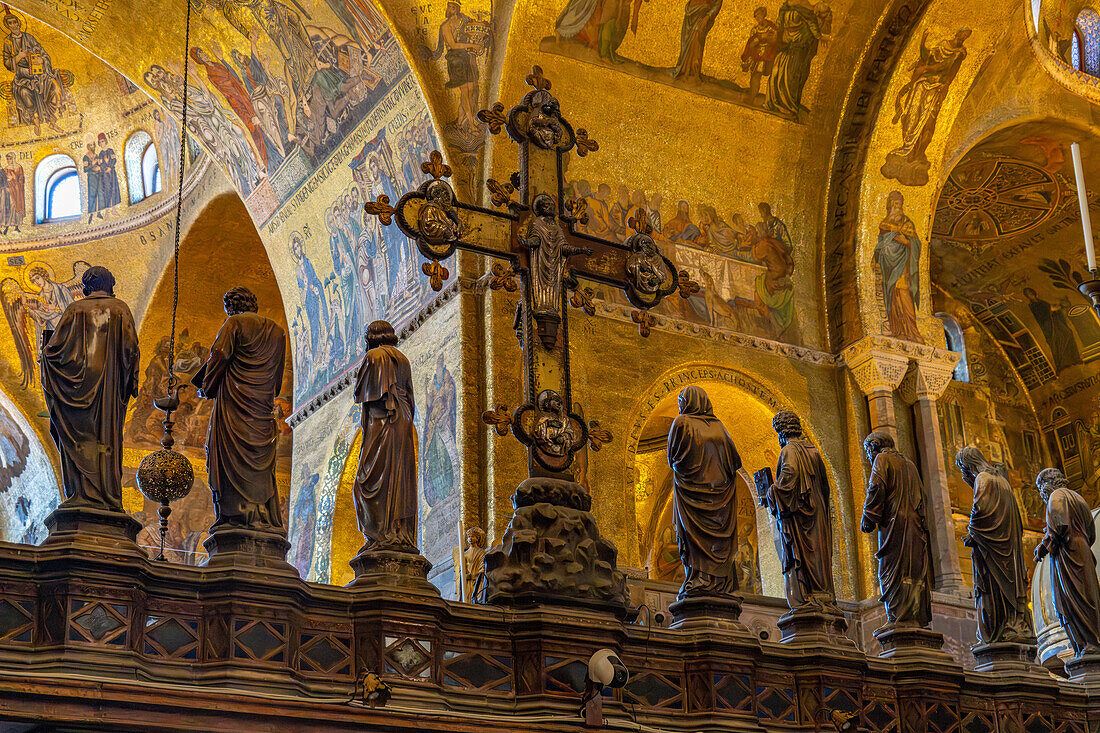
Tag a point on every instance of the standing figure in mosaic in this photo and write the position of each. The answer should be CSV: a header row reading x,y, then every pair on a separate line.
x,y
385,481
895,507
89,373
107,162
995,536
799,501
242,374
17,193
704,465
91,172
1068,540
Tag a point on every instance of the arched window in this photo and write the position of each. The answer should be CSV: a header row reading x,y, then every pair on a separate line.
x,y
56,189
150,170
1087,42
955,342
142,166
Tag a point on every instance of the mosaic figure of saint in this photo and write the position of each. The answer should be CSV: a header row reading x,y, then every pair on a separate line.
x,y
16,200
799,36
917,107
36,88
599,24
699,17
898,256
110,193
438,442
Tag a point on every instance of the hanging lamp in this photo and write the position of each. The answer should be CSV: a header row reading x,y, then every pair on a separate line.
x,y
167,475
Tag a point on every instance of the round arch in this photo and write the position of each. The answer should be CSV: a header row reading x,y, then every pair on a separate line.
x,y
759,400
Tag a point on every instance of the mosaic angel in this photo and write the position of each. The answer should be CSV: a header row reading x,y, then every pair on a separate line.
x,y
32,311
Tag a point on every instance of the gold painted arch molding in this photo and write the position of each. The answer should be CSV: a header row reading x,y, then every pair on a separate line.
x,y
1050,29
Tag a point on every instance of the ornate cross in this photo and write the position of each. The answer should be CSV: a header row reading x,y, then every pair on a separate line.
x,y
536,238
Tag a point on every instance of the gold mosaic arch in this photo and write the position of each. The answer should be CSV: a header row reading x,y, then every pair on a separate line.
x,y
681,376
753,388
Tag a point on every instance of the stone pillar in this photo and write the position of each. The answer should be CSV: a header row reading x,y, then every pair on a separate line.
x,y
922,386
878,372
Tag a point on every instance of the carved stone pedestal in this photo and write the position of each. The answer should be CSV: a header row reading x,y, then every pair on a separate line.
x,y
900,641
92,527
1084,669
552,552
237,546
393,568
707,613
815,625
1003,655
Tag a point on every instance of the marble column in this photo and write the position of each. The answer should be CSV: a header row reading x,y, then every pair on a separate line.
x,y
921,387
878,372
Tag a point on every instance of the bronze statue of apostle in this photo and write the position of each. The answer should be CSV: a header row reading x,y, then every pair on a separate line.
x,y
385,482
1068,540
242,374
995,537
895,507
89,373
704,465
799,501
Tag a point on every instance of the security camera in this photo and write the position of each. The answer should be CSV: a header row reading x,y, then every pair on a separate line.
x,y
607,670
604,670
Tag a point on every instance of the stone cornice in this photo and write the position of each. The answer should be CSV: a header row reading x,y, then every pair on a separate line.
x,y
665,324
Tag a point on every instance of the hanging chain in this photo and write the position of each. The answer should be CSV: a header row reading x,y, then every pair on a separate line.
x,y
172,380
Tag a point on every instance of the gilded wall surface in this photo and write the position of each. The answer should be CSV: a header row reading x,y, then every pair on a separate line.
x,y
726,127
1007,243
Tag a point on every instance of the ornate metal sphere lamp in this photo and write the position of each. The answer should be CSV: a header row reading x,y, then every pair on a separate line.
x,y
167,475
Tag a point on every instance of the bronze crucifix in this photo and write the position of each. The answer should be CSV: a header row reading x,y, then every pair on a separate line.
x,y
537,239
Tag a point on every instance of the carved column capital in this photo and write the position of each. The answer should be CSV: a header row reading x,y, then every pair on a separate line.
x,y
929,376
875,366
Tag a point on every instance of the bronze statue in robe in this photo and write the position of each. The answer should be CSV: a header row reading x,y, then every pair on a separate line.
x,y
799,501
242,374
385,482
995,537
1068,540
704,465
895,507
89,373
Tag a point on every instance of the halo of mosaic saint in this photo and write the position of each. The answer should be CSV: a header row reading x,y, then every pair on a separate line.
x,y
549,365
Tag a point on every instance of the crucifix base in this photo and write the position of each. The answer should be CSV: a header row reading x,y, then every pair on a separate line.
x,y
393,568
552,553
239,546
99,528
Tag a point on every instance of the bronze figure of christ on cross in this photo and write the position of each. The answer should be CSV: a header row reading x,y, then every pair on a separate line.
x,y
535,238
